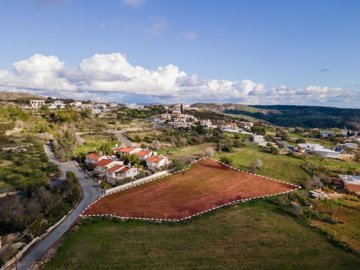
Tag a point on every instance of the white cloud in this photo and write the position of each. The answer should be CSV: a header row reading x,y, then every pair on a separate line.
x,y
158,26
133,3
38,72
191,35
111,76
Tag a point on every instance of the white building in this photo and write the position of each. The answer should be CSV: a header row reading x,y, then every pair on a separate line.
x,y
76,104
57,104
232,127
87,106
166,116
105,164
259,140
36,103
92,158
119,172
156,162
144,154
207,123
183,120
127,150
327,133
352,146
319,150
246,125
134,106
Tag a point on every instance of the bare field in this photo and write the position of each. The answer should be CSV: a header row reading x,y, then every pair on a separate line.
x,y
205,185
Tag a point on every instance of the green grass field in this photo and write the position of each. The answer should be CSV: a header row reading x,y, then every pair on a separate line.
x,y
92,144
295,135
233,135
248,236
188,151
334,165
277,166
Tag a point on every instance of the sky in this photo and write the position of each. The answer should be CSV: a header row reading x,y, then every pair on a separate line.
x,y
240,51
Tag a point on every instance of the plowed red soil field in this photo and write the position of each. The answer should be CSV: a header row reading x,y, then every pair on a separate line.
x,y
206,184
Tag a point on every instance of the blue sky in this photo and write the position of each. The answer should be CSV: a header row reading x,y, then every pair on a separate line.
x,y
257,51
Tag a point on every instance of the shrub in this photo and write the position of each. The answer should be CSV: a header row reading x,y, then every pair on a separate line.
x,y
225,160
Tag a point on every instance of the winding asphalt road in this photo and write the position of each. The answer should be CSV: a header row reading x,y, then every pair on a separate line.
x,y
91,192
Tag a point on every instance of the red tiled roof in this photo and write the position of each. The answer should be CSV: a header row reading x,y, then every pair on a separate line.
x,y
143,153
125,169
125,149
155,159
352,187
115,168
93,156
103,162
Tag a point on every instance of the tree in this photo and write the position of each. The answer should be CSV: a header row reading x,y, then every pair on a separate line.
x,y
66,143
132,159
238,143
300,140
178,164
259,130
106,148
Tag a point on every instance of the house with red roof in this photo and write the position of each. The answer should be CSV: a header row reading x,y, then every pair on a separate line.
x,y
119,172
92,158
144,154
103,165
127,150
157,161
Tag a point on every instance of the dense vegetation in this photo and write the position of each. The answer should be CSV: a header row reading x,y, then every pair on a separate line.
x,y
126,113
304,116
26,167
36,210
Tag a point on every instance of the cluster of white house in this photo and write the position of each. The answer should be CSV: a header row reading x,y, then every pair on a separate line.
x,y
238,127
95,107
135,106
38,103
182,120
113,169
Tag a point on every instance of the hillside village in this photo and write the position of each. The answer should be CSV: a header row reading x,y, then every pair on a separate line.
x,y
118,145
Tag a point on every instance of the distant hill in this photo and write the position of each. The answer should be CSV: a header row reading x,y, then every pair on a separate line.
x,y
293,116
18,96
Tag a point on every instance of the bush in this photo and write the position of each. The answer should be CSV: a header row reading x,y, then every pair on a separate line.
x,y
225,160
105,185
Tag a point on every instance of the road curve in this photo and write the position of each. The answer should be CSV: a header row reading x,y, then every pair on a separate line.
x,y
91,192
